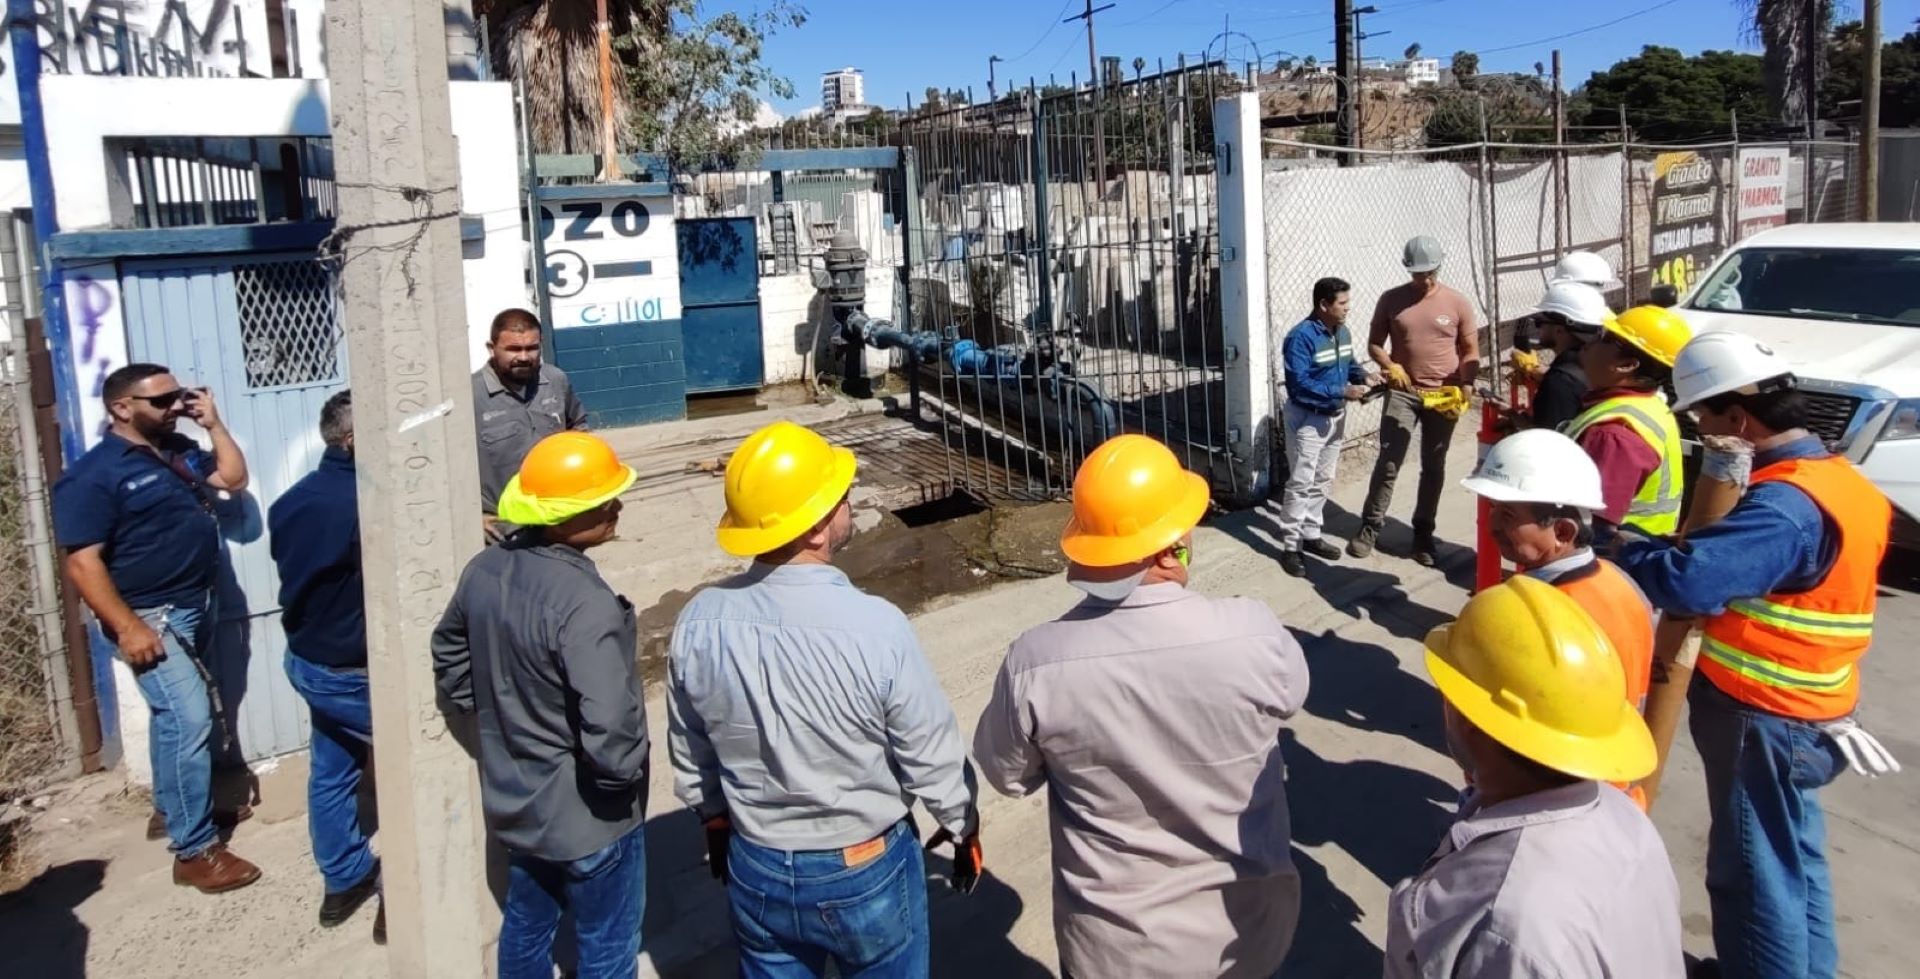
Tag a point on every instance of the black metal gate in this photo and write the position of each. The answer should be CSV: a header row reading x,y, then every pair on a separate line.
x,y
1063,245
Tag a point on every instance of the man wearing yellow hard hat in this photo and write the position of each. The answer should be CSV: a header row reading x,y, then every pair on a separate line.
x,y
543,650
1548,872
1625,423
1152,716
804,722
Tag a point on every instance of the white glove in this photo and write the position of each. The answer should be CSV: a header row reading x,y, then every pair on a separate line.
x,y
1863,751
1727,459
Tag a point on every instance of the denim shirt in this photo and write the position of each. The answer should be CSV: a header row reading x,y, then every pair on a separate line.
x,y
1776,539
1317,365
804,708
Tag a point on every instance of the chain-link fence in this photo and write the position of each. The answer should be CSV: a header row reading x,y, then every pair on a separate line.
x,y
1505,213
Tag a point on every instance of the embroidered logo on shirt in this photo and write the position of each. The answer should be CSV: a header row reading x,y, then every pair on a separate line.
x,y
140,481
1443,321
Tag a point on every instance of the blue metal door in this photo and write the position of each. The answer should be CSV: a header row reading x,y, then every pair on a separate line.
x,y
720,304
264,332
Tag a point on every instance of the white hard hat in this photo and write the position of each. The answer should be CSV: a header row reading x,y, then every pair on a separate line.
x,y
1578,302
1538,466
1584,267
1724,362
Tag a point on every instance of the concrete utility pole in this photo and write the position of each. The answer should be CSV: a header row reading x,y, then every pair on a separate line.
x,y
399,245
1093,79
993,90
1360,75
1870,112
1346,133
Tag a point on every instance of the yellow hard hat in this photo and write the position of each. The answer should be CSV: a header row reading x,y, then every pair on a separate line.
x,y
1656,331
781,482
1131,500
1528,666
564,475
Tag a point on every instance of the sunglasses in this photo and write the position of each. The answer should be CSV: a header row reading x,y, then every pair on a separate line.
x,y
165,400
1183,554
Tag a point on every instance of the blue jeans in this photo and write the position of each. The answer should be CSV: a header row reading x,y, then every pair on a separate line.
x,y
607,893
180,738
342,740
1767,876
794,910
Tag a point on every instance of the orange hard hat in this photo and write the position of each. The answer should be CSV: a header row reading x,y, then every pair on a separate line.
x,y
1131,500
563,475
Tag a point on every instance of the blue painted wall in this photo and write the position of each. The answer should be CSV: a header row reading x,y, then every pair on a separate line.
x,y
627,373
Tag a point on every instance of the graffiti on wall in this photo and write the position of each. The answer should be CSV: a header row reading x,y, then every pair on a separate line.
x,y
99,338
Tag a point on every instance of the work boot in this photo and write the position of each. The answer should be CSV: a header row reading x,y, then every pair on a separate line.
x,y
338,906
1292,563
222,819
1423,550
380,924
1321,548
215,870
1362,543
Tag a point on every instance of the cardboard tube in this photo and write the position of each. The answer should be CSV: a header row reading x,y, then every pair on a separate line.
x,y
1676,641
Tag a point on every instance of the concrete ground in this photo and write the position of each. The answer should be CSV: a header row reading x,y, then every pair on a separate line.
x,y
1369,783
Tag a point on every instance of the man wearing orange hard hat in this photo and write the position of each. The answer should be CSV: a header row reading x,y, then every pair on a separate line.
x,y
804,723
539,646
1152,715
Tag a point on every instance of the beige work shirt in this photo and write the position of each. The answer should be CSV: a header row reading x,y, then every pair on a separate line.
x,y
1155,726
1571,883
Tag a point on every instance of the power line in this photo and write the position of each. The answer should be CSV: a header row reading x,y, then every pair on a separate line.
x,y
1051,26
1584,30
1141,20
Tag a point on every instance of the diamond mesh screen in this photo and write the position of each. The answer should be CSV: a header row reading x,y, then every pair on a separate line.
x,y
289,323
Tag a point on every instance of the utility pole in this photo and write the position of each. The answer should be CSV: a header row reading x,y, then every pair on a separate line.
x,y
397,242
1360,75
1816,43
1561,233
609,147
993,91
1093,79
1347,129
1870,113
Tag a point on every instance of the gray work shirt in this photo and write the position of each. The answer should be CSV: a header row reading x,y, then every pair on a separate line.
x,y
804,708
546,653
1572,881
509,424
1155,726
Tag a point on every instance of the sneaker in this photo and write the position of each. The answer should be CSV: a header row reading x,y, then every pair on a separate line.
x,y
1321,548
1292,563
1423,550
214,870
338,906
222,819
380,924
1362,543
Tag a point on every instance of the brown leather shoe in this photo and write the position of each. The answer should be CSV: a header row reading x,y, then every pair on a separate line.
x,y
222,819
216,869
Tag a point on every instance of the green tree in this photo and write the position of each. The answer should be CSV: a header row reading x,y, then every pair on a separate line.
x,y
1466,68
1413,51
1517,107
1899,76
1671,97
696,101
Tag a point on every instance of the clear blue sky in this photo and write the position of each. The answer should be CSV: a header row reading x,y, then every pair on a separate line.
x,y
906,45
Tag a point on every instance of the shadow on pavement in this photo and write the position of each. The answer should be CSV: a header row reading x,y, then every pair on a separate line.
x,y
1328,941
38,927
1387,817
1362,686
972,932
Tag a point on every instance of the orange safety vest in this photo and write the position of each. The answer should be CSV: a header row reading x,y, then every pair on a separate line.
x,y
1794,654
1624,614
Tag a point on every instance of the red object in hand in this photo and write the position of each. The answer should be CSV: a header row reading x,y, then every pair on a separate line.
x,y
719,838
1487,570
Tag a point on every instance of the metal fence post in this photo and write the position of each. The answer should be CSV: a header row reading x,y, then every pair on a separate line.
x,y
1042,246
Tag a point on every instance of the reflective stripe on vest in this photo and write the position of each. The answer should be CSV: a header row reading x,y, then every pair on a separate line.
x,y
1655,508
1795,654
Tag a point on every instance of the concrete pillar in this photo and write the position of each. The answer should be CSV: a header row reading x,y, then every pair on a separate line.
x,y
1243,293
398,238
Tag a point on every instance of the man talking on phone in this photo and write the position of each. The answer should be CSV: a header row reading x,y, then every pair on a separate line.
x,y
135,517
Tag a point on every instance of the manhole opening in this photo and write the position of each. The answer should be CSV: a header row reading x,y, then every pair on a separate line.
x,y
951,507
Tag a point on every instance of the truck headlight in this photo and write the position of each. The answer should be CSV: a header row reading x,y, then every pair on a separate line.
x,y
1905,423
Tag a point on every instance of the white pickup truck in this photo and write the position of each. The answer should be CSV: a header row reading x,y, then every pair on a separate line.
x,y
1841,302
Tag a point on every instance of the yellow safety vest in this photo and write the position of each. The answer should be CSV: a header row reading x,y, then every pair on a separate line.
x,y
1656,506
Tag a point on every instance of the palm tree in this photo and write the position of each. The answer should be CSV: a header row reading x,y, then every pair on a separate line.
x,y
1793,35
551,46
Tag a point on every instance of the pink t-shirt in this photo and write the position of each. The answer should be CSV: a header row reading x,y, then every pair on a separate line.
x,y
1423,332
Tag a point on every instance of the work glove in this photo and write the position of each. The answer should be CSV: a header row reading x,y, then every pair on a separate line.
x,y
1726,459
1863,751
1398,379
719,838
968,861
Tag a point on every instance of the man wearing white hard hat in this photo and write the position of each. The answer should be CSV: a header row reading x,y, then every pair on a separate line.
x,y
1585,268
1543,489
1570,314
1786,584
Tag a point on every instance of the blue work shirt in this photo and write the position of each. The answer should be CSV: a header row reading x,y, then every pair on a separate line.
x,y
151,512
1318,364
1776,539
804,708
315,541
